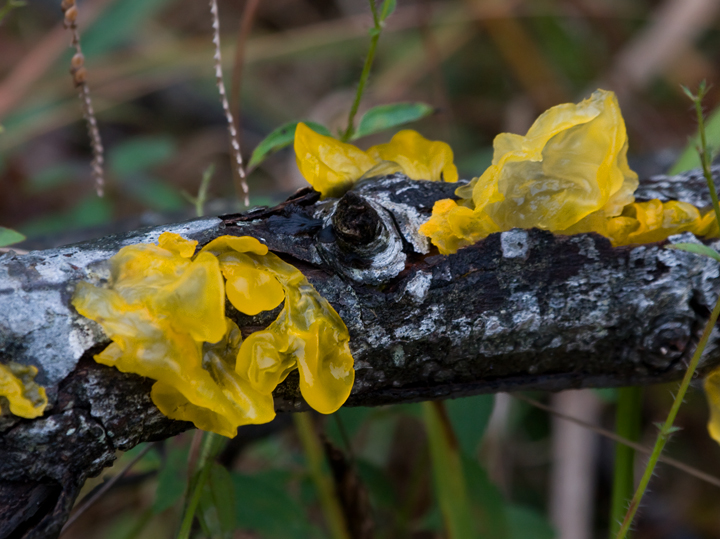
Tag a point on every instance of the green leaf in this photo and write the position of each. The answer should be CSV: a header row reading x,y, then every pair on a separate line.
x,y
55,176
155,194
9,237
688,93
470,417
351,420
264,505
696,248
528,523
218,502
489,506
280,138
451,488
384,117
223,491
140,154
689,159
388,8
172,479
671,430
378,484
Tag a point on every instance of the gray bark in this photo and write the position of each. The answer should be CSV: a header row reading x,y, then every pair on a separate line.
x,y
519,310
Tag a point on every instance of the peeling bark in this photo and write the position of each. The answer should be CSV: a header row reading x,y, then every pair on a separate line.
x,y
519,310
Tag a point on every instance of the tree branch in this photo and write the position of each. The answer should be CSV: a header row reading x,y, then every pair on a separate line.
x,y
519,310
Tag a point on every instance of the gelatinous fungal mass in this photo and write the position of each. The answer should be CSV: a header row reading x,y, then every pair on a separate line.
x,y
332,167
164,310
569,174
19,392
308,334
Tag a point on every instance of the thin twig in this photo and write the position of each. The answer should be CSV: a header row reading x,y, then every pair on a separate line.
x,y
622,440
106,486
234,142
79,74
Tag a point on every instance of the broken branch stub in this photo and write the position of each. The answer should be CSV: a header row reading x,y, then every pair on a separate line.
x,y
523,309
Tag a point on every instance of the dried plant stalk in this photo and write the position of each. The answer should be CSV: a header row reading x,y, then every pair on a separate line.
x,y
234,141
79,74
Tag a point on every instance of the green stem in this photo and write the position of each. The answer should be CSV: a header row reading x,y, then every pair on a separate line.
x,y
377,29
667,428
211,445
186,526
627,425
703,150
448,472
326,490
373,9
203,190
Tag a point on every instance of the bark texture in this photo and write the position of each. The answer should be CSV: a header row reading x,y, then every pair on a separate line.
x,y
519,310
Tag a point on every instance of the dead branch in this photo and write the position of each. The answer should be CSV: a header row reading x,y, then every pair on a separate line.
x,y
519,310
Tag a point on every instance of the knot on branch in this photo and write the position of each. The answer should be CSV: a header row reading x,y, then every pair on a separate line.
x,y
357,225
667,342
368,247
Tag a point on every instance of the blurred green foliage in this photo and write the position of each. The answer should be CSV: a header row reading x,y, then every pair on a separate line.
x,y
264,505
172,479
9,237
118,25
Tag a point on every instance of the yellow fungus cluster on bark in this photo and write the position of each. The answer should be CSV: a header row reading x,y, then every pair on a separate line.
x,y
569,174
19,391
712,390
164,310
332,167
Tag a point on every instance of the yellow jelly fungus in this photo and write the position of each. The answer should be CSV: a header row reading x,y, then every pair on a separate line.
x,y
329,165
308,334
332,167
569,174
17,386
165,313
249,287
162,312
453,227
708,226
572,162
418,157
646,222
712,391
237,402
